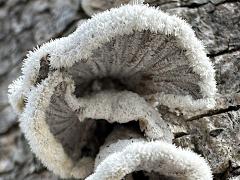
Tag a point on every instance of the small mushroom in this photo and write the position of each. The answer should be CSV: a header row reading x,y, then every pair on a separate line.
x,y
111,71
126,155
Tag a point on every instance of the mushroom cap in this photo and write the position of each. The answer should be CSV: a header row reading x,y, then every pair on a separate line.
x,y
157,158
152,53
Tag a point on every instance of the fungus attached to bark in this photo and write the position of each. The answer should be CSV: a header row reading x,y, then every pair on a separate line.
x,y
110,72
126,155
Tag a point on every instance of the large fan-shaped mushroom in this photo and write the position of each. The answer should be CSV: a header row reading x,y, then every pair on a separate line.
x,y
76,89
126,155
142,43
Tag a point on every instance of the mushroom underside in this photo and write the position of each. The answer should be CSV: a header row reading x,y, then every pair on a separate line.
x,y
82,131
143,62
81,139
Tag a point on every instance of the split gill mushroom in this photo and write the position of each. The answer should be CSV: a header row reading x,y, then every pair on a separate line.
x,y
110,72
126,155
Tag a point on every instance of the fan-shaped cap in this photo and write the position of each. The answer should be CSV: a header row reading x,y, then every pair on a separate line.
x,y
157,160
135,48
150,52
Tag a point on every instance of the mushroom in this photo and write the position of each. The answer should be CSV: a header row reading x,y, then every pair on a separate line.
x,y
126,155
113,70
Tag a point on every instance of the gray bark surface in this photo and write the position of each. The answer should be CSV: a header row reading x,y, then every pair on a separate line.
x,y
214,134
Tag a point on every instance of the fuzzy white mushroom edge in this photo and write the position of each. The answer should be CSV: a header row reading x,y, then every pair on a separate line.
x,y
122,21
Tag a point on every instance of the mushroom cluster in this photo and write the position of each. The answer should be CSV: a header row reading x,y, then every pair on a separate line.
x,y
87,102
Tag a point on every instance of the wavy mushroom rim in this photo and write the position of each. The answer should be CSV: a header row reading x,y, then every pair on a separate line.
x,y
66,51
45,145
155,156
37,132
15,96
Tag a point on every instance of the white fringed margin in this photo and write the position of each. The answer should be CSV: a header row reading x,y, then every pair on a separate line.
x,y
15,96
64,52
156,156
41,140
21,87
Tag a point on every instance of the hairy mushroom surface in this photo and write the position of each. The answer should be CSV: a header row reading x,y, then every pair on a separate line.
x,y
126,155
76,89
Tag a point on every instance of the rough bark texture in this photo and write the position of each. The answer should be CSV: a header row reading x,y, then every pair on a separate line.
x,y
214,134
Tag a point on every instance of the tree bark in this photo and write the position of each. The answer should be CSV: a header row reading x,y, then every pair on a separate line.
x,y
215,134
